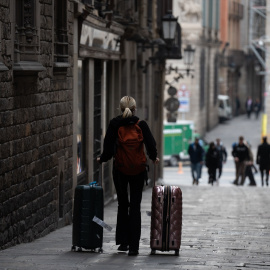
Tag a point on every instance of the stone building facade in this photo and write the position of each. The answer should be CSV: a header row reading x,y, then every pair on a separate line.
x,y
36,115
123,60
64,65
219,31
200,29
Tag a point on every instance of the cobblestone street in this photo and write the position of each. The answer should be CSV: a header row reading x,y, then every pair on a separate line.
x,y
224,227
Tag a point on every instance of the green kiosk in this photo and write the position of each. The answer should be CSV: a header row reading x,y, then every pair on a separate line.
x,y
177,137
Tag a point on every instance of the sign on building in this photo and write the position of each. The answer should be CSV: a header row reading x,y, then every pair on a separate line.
x,y
183,97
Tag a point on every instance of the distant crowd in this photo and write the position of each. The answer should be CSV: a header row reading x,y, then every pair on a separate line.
x,y
216,156
251,106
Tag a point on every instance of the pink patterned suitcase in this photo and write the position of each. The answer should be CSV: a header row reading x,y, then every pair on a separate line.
x,y
166,219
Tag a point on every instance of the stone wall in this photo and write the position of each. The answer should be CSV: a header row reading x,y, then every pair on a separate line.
x,y
36,118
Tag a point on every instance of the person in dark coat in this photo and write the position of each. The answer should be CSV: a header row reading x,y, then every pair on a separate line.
x,y
257,108
128,228
222,156
241,155
196,153
212,160
250,167
249,106
263,160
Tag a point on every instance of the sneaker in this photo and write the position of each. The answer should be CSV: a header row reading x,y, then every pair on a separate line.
x,y
123,247
133,253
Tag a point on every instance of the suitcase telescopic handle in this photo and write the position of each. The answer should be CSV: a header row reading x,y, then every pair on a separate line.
x,y
155,174
100,175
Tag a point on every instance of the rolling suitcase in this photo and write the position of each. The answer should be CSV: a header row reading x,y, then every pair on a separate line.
x,y
88,203
166,219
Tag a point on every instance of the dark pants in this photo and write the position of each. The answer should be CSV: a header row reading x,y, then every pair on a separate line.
x,y
219,169
212,174
249,174
240,172
128,228
262,170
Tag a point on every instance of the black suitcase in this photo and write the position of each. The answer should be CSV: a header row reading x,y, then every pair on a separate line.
x,y
88,203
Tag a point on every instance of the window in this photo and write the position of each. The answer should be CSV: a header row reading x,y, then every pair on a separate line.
x,y
216,65
61,38
98,70
210,18
202,81
26,39
2,66
149,14
0,40
81,120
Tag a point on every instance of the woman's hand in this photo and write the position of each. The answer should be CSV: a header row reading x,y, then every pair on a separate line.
x,y
98,160
156,161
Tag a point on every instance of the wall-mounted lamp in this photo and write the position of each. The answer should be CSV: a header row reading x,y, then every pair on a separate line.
x,y
168,46
189,57
169,23
188,61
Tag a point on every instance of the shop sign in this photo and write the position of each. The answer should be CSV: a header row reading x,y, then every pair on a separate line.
x,y
183,97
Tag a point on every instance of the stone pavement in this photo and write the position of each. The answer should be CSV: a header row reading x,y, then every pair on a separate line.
x,y
224,227
228,132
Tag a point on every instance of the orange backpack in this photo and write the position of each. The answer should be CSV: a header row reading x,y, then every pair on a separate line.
x,y
130,158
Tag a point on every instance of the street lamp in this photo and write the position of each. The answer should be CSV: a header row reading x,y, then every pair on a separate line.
x,y
169,23
188,57
188,61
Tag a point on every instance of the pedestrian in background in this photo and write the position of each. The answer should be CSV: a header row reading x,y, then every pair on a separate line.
x,y
196,153
249,106
241,155
212,160
128,228
257,108
250,166
233,145
263,160
222,156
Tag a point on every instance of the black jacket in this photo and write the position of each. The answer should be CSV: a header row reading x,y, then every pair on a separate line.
x,y
241,152
196,153
109,147
263,156
212,158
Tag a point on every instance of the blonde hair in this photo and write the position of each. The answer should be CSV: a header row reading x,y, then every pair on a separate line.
x,y
127,106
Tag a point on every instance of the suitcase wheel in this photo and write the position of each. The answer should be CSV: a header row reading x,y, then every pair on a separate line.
x,y
79,249
73,248
100,250
153,252
176,252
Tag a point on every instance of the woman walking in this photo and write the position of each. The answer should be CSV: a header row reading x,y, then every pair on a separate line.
x,y
124,141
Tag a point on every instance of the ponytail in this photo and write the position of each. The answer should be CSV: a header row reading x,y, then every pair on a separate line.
x,y
127,106
127,113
